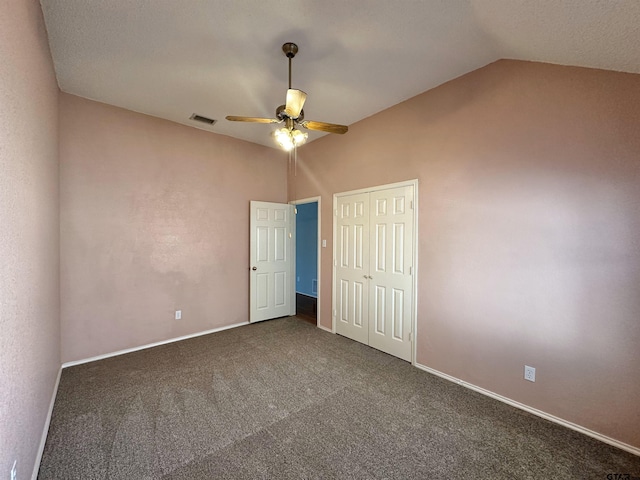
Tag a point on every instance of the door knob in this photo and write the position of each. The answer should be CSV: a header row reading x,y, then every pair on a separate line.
x,y
254,268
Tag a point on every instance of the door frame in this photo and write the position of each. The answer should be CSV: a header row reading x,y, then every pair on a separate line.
x,y
414,246
317,200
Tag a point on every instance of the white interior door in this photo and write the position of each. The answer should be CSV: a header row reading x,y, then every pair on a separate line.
x,y
352,267
374,260
390,280
271,254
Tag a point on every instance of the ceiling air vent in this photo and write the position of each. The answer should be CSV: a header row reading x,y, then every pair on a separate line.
x,y
200,118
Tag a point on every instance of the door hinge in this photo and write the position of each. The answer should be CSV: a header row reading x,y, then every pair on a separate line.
x,y
410,204
334,313
295,210
290,235
335,212
410,270
410,336
335,262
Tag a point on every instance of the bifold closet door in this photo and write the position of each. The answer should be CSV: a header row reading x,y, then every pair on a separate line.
x,y
374,268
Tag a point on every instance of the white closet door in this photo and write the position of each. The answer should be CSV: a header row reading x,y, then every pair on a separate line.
x,y
390,277
352,267
374,264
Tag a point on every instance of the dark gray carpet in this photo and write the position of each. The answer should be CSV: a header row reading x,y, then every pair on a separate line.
x,y
283,399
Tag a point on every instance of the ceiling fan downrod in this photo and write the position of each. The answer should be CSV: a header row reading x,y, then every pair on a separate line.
x,y
290,49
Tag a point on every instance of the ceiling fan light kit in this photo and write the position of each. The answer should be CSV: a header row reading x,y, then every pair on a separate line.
x,y
292,114
287,139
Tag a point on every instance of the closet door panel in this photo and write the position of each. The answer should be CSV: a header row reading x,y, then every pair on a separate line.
x,y
390,283
352,267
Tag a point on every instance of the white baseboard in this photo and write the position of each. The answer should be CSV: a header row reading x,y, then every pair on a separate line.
x,y
45,430
534,411
149,345
325,328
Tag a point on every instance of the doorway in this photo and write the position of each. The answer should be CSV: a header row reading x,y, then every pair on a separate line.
x,y
307,263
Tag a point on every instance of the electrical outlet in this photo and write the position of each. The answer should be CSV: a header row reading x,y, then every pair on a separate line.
x,y
178,314
14,470
529,373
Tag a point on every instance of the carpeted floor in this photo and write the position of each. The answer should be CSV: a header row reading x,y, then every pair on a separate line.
x,y
283,399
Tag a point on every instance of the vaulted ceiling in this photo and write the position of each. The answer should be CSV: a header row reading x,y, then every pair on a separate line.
x,y
172,58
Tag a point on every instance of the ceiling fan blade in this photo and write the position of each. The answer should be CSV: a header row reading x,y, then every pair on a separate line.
x,y
295,102
324,127
234,118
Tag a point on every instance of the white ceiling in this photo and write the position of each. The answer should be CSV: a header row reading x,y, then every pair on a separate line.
x,y
172,58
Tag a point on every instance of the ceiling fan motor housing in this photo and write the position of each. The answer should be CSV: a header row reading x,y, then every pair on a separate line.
x,y
281,115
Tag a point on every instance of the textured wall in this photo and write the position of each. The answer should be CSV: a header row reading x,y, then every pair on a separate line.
x,y
529,249
154,218
29,234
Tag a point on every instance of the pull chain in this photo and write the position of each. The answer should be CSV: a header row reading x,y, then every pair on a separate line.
x,y
295,170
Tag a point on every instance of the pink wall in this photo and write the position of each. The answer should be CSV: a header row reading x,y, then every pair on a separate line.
x,y
154,218
29,234
529,231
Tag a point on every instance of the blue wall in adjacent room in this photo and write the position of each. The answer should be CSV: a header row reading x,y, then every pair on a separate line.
x,y
307,249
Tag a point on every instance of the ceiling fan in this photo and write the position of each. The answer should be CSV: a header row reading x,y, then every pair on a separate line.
x,y
292,114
